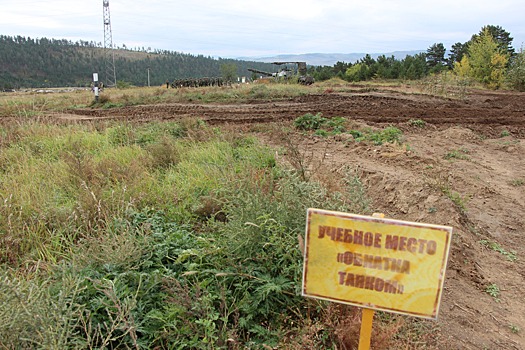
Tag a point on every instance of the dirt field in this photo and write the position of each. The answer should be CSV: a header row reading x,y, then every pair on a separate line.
x,y
464,168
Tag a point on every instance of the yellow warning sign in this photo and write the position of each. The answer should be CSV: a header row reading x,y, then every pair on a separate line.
x,y
383,264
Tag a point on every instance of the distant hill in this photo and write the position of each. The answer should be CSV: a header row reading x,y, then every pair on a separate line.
x,y
328,59
28,62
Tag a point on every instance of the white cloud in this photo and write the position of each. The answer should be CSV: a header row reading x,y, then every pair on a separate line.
x,y
231,28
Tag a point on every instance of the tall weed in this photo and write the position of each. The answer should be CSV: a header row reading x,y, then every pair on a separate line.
x,y
144,249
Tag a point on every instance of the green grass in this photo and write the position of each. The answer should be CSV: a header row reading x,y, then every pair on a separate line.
x,y
517,182
419,123
457,154
504,133
34,104
495,246
324,127
155,235
494,291
457,199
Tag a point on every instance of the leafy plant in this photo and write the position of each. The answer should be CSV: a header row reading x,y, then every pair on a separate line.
x,y
511,256
417,123
494,291
358,135
517,182
457,154
390,134
336,125
514,329
321,132
310,121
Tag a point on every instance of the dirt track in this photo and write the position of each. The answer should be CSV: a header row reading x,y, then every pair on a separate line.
x,y
486,112
465,169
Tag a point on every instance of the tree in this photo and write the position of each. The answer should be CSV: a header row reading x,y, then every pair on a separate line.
x,y
387,67
229,72
341,67
500,36
369,68
357,72
436,57
462,68
486,62
414,67
322,73
516,73
457,51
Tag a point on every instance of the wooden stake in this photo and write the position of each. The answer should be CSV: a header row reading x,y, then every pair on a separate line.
x,y
367,317
366,329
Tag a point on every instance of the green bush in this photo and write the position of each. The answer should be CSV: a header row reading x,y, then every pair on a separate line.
x,y
144,239
310,121
150,282
322,126
390,134
420,123
516,74
321,132
336,125
122,84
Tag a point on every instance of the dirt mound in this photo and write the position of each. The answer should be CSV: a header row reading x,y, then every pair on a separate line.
x,y
488,115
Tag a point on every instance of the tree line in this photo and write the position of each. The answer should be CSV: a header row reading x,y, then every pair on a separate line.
x,y
488,58
29,62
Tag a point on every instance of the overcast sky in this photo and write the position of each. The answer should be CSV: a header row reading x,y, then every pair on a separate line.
x,y
240,28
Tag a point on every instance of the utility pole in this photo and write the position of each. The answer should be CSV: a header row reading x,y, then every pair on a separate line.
x,y
109,54
148,76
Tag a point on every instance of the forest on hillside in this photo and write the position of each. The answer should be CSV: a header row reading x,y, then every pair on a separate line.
x,y
487,58
28,62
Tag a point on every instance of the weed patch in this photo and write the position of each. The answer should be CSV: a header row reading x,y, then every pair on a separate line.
x,y
390,134
494,291
158,236
325,127
321,125
419,123
457,154
495,246
517,182
310,121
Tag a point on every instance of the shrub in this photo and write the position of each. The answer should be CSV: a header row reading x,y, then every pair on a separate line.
x,y
336,125
516,74
118,273
417,123
390,134
121,84
310,121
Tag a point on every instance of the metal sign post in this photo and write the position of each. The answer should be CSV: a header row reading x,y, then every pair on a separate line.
x,y
95,86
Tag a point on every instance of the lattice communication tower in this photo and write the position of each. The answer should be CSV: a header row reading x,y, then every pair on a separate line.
x,y
109,54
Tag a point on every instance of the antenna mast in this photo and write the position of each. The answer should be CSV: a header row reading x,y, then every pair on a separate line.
x,y
109,54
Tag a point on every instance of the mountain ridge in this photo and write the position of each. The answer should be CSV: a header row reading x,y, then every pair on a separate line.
x,y
327,59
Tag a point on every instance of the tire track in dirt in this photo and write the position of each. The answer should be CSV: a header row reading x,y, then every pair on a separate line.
x,y
485,113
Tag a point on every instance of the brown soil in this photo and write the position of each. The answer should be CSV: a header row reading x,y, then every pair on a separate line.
x,y
483,174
